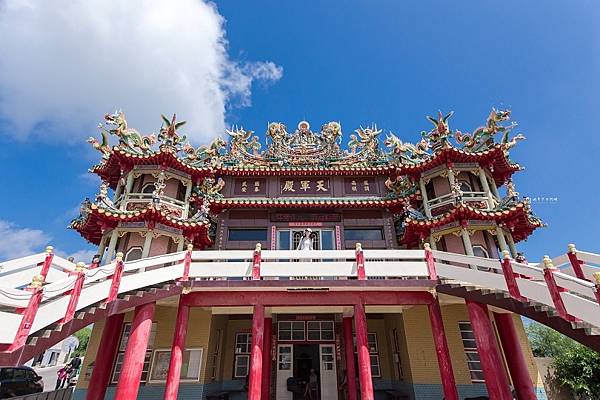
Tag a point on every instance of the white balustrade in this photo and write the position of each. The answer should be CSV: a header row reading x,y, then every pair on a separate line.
x,y
286,265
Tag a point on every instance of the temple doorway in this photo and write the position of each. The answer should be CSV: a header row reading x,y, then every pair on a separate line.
x,y
288,239
294,365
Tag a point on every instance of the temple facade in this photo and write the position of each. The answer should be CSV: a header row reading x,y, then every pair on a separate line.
x,y
299,201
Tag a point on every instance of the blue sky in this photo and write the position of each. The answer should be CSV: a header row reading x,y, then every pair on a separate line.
x,y
386,62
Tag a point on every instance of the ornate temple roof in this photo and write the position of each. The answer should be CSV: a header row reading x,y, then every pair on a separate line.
x,y
307,152
96,217
515,214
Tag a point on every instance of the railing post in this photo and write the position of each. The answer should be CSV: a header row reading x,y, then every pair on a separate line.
x,y
597,292
360,263
116,279
429,260
75,293
187,261
256,262
29,313
47,261
554,289
509,277
575,262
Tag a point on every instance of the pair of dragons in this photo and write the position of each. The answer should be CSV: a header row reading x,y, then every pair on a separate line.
x,y
131,139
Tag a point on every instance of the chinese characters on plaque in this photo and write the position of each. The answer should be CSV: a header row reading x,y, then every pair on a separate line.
x,y
301,186
250,187
360,186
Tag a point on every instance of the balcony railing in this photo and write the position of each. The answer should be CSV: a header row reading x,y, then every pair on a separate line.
x,y
178,207
450,198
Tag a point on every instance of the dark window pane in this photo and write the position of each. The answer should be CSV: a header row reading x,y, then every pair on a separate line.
x,y
248,234
363,234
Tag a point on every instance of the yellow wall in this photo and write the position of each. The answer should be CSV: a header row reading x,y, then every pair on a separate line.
x,y
197,336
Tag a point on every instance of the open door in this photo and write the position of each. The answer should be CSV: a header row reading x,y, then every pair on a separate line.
x,y
329,389
285,370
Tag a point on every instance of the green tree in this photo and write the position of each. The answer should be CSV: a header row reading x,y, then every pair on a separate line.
x,y
83,336
576,366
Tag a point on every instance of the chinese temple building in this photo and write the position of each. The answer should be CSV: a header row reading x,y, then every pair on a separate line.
x,y
299,280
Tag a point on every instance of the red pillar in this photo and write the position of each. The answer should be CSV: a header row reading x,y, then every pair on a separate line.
x,y
266,365
256,353
442,350
177,348
349,350
517,367
362,348
104,359
496,380
133,363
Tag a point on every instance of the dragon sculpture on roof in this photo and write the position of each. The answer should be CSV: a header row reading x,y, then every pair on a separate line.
x,y
305,148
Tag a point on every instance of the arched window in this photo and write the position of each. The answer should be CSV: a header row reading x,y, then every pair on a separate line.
x,y
465,186
480,251
134,253
148,188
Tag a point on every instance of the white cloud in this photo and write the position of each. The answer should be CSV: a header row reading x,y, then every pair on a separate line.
x,y
19,242
80,255
65,63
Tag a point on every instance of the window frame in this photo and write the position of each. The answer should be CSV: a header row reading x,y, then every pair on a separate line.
x,y
239,355
358,229
291,330
126,258
236,229
155,352
468,350
320,339
483,248
122,347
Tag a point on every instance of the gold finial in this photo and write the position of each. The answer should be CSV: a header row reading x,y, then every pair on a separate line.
x,y
506,254
80,266
119,256
190,247
49,249
597,277
571,248
258,247
37,281
427,246
186,290
547,262
358,247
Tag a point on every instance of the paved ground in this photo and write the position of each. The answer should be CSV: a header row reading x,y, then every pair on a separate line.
x,y
49,376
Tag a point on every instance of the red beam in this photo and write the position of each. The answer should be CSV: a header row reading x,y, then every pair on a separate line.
x,y
74,294
309,298
116,279
362,350
349,352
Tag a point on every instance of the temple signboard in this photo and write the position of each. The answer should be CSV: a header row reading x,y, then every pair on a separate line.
x,y
250,187
293,186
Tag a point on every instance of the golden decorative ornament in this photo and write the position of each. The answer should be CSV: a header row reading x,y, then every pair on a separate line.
x,y
37,281
119,256
547,262
80,266
49,249
571,248
506,254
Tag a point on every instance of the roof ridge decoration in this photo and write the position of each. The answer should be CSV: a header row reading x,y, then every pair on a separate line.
x,y
305,148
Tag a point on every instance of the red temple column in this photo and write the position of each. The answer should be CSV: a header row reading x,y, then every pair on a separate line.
x,y
349,350
104,359
496,380
135,353
517,367
256,353
362,348
266,365
177,348
442,350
